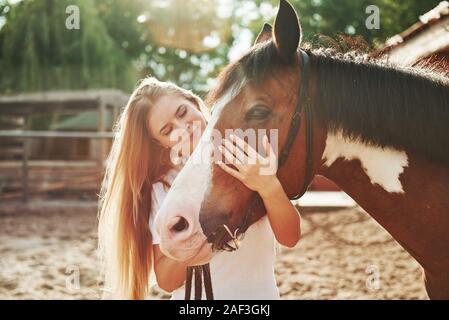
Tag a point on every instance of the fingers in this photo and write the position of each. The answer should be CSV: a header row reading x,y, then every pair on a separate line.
x,y
245,153
230,158
269,162
243,145
268,148
235,151
231,171
266,145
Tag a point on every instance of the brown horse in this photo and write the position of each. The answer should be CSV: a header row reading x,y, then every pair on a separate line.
x,y
380,132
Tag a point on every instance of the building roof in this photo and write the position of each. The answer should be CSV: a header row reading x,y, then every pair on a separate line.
x,y
83,121
427,36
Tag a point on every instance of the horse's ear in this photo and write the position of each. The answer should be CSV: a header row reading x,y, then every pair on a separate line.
x,y
287,31
265,34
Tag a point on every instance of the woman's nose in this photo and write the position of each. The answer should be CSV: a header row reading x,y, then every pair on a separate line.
x,y
184,125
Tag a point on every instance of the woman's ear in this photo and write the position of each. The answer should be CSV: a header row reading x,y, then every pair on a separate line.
x,y
287,31
265,34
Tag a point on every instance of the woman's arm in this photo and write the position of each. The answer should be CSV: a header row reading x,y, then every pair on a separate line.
x,y
252,171
170,274
284,217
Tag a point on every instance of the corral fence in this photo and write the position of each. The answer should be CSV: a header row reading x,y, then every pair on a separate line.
x,y
53,144
49,176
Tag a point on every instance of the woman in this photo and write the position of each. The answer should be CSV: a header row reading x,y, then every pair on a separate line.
x,y
138,175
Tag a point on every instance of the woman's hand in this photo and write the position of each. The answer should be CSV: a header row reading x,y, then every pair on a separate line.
x,y
258,173
170,274
255,171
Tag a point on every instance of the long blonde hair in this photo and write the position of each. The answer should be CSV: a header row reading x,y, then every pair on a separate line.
x,y
135,162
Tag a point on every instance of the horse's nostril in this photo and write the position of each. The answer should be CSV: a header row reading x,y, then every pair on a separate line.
x,y
180,225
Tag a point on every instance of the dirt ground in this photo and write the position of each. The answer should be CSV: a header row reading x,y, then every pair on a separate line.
x,y
342,255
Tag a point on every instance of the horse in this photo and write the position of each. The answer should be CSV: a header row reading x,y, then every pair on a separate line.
x,y
380,132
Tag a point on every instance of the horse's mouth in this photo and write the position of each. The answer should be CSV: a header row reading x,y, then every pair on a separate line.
x,y
222,239
217,238
202,256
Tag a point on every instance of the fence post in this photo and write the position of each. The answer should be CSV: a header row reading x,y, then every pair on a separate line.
x,y
102,129
26,143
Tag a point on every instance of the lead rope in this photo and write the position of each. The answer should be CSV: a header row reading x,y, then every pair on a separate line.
x,y
200,273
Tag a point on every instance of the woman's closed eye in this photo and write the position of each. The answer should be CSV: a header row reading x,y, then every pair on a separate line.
x,y
181,111
167,130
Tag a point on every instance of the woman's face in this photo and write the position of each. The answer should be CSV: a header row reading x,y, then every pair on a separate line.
x,y
176,122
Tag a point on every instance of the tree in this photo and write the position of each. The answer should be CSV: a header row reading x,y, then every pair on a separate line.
x,y
38,52
132,27
330,17
176,49
122,41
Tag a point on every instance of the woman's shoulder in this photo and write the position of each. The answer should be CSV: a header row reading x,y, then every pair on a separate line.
x,y
158,188
158,192
162,186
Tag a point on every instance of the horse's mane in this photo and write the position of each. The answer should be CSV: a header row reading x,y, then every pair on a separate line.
x,y
434,64
404,107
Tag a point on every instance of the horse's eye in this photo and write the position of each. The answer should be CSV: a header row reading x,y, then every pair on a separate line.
x,y
259,112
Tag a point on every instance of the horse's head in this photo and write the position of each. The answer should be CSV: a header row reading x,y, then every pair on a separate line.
x,y
259,91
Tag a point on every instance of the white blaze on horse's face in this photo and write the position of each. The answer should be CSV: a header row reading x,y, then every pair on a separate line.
x,y
383,166
177,220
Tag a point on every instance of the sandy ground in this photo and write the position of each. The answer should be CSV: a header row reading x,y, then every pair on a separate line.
x,y
343,255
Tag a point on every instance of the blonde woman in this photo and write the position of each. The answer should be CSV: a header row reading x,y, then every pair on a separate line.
x,y
137,178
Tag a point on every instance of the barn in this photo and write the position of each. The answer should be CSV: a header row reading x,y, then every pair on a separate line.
x,y
427,39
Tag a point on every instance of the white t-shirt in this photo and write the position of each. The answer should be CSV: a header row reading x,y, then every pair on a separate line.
x,y
245,274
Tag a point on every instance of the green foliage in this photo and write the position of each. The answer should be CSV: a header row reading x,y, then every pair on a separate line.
x,y
112,49
40,53
120,20
329,17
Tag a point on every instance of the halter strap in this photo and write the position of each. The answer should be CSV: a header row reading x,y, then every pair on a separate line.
x,y
301,103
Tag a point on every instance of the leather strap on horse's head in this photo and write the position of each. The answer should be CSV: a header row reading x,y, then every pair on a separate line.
x,y
302,104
